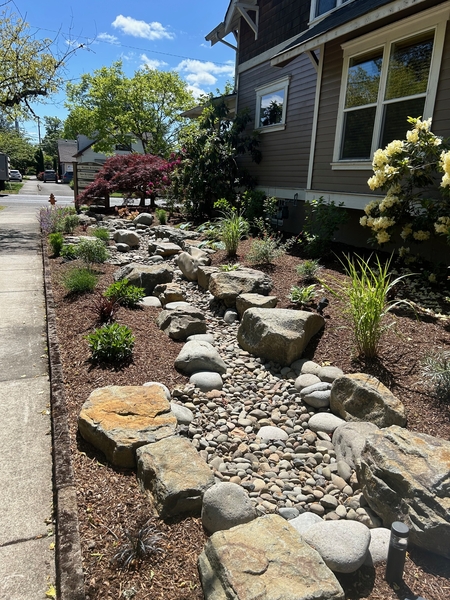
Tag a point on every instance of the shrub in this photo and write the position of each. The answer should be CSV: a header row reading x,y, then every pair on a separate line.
x,y
138,546
56,241
436,370
322,220
70,222
233,228
111,343
367,298
104,309
92,251
302,295
266,249
124,293
308,269
101,233
79,280
162,216
69,252
51,218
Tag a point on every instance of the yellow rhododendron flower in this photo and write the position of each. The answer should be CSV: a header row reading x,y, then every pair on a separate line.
x,y
421,235
363,221
393,147
406,231
403,251
383,237
412,136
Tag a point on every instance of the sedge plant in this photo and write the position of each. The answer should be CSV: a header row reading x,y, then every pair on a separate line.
x,y
367,297
233,227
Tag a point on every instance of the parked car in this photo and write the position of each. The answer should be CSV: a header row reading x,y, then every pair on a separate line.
x,y
49,175
15,175
67,177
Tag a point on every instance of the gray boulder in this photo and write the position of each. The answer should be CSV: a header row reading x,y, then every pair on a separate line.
x,y
169,292
164,249
181,322
145,276
124,236
245,301
379,546
406,476
226,505
349,440
199,356
361,397
174,234
189,263
143,219
343,545
228,285
324,421
264,559
305,381
206,381
163,473
183,414
304,521
278,334
204,273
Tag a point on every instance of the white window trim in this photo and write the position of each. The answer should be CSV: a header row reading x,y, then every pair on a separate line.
x,y
263,90
383,38
313,20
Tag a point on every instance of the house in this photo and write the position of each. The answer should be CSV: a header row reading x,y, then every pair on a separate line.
x,y
66,152
330,81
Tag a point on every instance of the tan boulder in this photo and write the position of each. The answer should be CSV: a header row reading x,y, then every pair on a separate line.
x,y
245,301
118,420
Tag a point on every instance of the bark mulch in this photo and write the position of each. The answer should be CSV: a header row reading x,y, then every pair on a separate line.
x,y
110,505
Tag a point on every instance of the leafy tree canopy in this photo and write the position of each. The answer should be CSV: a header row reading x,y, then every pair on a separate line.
x,y
30,68
113,109
18,147
54,129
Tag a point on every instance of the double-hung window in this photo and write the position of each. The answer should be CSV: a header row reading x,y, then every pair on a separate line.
x,y
322,7
271,104
382,85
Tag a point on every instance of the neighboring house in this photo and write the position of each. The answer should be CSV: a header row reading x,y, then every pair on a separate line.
x,y
330,81
66,152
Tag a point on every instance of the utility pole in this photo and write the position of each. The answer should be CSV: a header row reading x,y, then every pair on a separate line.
x,y
39,130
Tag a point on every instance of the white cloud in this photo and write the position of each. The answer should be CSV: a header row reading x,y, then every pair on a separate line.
x,y
106,37
142,29
199,73
197,91
152,63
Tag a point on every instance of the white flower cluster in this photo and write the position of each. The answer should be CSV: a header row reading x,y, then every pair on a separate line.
x,y
443,225
445,166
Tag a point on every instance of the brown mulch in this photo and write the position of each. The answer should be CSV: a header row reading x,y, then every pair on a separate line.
x,y
109,501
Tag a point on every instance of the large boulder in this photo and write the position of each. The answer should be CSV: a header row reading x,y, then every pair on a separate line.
x,y
145,276
174,234
164,249
169,292
143,219
245,301
228,285
264,559
406,476
189,262
175,476
204,273
197,355
118,420
349,440
278,334
361,397
125,236
179,323
226,505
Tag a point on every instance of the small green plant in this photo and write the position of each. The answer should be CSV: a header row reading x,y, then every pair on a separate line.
x,y
233,228
265,250
101,233
79,280
92,251
70,222
302,295
436,371
124,293
367,296
104,309
322,220
308,269
138,546
69,252
111,343
162,216
56,241
230,267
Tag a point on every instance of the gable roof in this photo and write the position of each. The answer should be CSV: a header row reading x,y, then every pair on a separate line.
x,y
348,17
66,150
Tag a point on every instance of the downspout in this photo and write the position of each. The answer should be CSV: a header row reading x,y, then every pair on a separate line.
x,y
315,117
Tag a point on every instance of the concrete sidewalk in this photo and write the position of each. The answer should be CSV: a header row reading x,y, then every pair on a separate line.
x,y
27,557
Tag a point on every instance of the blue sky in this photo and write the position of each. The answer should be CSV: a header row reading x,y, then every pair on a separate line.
x,y
165,34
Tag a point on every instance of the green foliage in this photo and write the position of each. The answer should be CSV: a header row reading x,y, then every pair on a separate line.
x,y
124,293
230,267
162,216
70,222
101,233
18,147
79,280
206,168
69,252
322,220
92,251
53,132
436,371
112,343
138,546
366,296
56,241
302,295
233,228
265,250
51,218
308,269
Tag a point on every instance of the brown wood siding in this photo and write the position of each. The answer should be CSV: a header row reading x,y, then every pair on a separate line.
x,y
279,20
285,153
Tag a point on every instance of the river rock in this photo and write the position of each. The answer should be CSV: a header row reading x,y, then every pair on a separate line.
x,y
199,356
324,421
226,505
124,236
179,323
206,381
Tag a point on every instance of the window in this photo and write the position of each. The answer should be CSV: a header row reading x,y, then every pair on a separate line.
x,y
321,7
383,86
271,101
123,147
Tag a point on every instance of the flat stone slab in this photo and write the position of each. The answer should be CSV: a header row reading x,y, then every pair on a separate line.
x,y
175,475
118,420
265,559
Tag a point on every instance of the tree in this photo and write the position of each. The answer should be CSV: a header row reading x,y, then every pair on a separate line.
x,y
39,161
30,68
54,128
18,147
113,109
208,169
141,175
